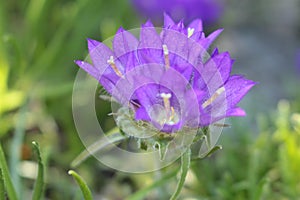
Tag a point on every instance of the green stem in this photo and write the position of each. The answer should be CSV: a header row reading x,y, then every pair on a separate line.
x,y
185,165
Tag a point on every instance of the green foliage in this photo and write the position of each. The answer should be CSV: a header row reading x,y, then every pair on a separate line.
x,y
264,168
11,192
82,184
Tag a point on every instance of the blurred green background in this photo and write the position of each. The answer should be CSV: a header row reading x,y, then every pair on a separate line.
x,y
40,39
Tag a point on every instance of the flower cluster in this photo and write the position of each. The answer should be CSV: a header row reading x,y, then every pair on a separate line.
x,y
207,10
167,79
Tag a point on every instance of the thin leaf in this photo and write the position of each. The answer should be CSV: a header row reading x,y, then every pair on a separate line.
x,y
185,165
11,192
97,146
39,184
82,184
143,192
210,152
2,187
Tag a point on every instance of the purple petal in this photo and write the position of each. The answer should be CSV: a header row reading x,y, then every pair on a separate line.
x,y
141,114
124,42
168,21
150,46
208,119
147,95
205,43
235,89
100,54
90,69
236,112
197,25
215,72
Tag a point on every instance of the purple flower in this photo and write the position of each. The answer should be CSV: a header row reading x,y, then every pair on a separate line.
x,y
208,10
168,80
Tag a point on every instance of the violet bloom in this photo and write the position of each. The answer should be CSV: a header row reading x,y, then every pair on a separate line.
x,y
207,10
166,79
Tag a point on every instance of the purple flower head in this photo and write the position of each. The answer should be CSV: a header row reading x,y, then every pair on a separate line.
x,y
167,79
207,10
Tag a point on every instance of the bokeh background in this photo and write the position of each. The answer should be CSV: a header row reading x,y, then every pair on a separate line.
x,y
40,39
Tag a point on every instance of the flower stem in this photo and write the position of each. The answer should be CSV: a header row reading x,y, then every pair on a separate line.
x,y
185,165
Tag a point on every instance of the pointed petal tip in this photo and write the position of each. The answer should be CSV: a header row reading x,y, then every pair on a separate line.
x,y
120,30
168,21
215,52
81,64
148,23
197,24
92,43
236,112
77,62
166,15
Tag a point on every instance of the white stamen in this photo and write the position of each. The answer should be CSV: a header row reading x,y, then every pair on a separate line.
x,y
111,60
166,56
213,97
165,49
171,123
166,95
113,65
190,32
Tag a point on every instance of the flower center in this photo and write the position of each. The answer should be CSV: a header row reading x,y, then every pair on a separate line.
x,y
166,114
113,65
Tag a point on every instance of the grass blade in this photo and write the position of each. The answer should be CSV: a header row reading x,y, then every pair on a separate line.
x,y
82,184
185,165
2,187
39,184
11,192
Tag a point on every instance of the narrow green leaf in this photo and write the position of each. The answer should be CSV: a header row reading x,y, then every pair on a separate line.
x,y
185,165
39,184
11,192
2,187
210,152
97,146
143,192
82,184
